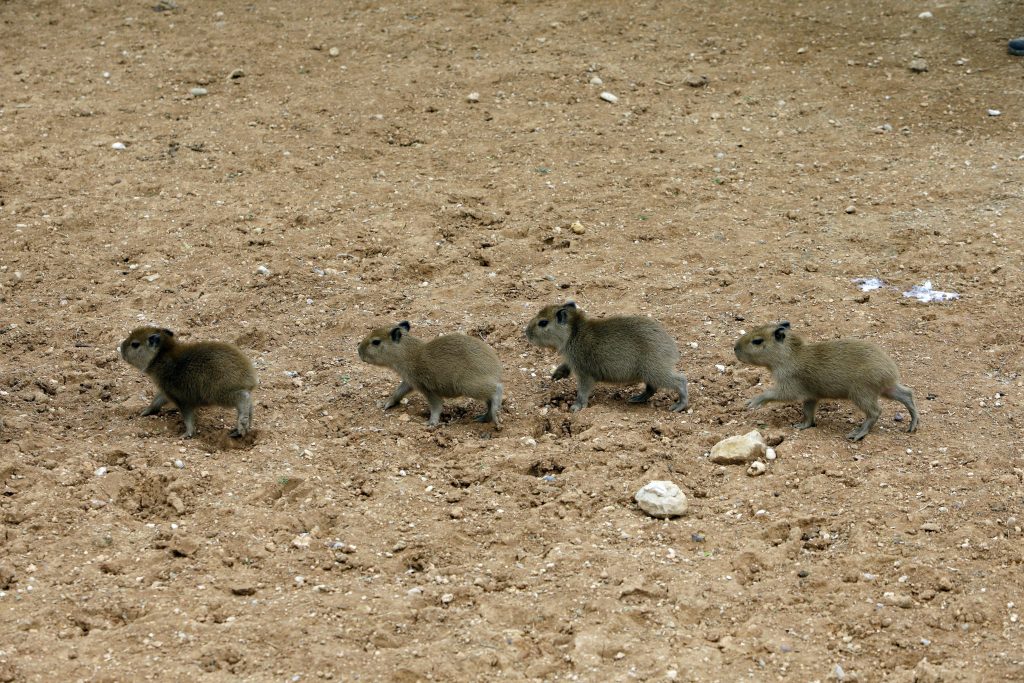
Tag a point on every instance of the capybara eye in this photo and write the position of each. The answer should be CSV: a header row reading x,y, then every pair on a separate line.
x,y
758,341
542,323
135,344
376,342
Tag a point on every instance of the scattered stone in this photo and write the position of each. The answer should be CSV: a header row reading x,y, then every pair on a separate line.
x,y
198,92
930,526
447,599
900,600
739,450
180,464
243,588
756,469
803,573
608,97
456,512
334,52
994,112
695,81
918,66
577,228
100,471
236,74
263,270
302,541
770,454
924,15
596,80
473,97
850,209
661,499
697,538
118,146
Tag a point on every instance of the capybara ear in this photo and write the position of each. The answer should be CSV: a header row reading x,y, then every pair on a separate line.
x,y
405,324
569,304
780,332
784,323
562,314
396,333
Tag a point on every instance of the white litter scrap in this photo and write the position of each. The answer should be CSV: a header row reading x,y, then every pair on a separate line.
x,y
925,293
868,284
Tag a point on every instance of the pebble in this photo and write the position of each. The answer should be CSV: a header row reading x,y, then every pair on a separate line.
x,y
302,541
334,52
236,74
101,471
263,270
739,450
456,512
770,454
851,209
608,97
994,112
180,464
447,599
930,526
118,146
198,92
577,228
661,499
697,538
695,81
720,368
918,66
756,468
925,15
473,97
596,80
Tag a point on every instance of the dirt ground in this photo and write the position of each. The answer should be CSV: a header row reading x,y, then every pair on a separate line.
x,y
355,164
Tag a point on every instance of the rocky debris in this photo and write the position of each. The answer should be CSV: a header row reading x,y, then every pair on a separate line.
x,y
756,468
695,81
243,587
918,66
608,97
7,575
661,499
739,450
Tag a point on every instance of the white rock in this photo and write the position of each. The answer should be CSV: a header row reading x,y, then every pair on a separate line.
x,y
739,450
661,499
100,471
720,367
118,146
263,270
608,97
925,15
994,112
198,92
334,52
770,454
473,97
302,541
596,80
757,468
180,464
577,228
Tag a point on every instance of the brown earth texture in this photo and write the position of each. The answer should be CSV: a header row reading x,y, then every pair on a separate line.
x,y
287,176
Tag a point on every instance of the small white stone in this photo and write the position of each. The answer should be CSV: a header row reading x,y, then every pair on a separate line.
x,y
152,278
447,598
994,112
770,454
101,471
473,97
528,441
118,146
720,367
180,464
739,450
198,92
925,15
596,80
334,52
661,499
302,541
263,270
756,469
608,97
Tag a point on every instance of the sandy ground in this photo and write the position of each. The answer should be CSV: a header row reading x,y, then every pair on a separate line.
x,y
340,174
